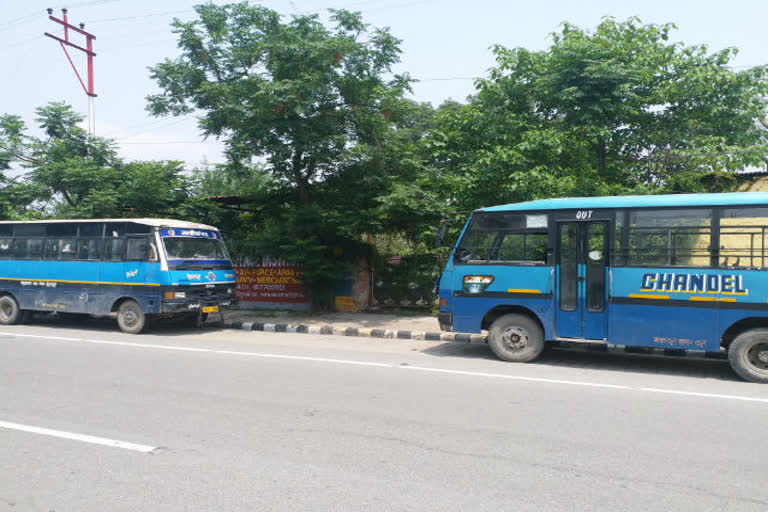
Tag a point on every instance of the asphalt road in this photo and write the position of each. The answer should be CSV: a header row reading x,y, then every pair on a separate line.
x,y
94,420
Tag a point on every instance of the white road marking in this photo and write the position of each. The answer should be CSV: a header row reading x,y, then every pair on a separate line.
x,y
392,366
515,377
706,395
205,350
114,443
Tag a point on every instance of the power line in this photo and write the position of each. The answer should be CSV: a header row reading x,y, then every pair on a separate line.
x,y
165,142
447,78
149,15
27,18
155,124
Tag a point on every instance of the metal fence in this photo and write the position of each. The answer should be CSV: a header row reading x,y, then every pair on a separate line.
x,y
406,281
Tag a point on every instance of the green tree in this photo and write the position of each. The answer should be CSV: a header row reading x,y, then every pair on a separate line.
x,y
66,173
616,110
317,104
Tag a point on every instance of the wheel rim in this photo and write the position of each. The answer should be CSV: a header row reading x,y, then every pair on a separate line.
x,y
757,356
515,338
130,318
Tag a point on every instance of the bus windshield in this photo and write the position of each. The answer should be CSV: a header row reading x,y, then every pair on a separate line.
x,y
185,253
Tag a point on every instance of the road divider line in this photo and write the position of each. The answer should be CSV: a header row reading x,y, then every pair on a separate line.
x,y
206,350
705,395
353,362
515,377
84,438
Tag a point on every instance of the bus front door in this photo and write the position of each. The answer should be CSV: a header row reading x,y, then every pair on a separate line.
x,y
582,268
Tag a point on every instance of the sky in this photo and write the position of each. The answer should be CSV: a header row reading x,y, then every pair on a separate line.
x,y
445,44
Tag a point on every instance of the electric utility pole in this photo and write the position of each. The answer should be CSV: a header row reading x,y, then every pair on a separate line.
x,y
88,50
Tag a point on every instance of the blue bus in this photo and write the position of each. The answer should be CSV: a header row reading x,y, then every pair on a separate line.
x,y
132,269
682,274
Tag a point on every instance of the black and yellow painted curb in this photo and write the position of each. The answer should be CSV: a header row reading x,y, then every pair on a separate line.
x,y
356,331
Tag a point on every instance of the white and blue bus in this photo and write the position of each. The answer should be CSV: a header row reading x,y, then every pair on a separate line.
x,y
681,274
133,269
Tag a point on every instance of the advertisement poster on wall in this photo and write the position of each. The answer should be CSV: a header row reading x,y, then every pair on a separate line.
x,y
271,280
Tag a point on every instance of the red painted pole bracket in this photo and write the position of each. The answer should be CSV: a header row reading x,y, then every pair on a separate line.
x,y
89,88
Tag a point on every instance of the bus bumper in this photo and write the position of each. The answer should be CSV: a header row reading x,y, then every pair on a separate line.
x,y
445,319
191,307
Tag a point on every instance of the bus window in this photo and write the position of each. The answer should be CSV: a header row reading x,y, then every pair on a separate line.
x,y
35,247
28,248
52,248
530,247
743,233
137,229
505,238
91,230
595,266
61,229
569,266
136,249
24,230
669,238
5,248
67,249
115,229
88,249
113,249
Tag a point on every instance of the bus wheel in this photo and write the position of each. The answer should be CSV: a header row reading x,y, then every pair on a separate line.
x,y
748,355
516,338
130,317
9,310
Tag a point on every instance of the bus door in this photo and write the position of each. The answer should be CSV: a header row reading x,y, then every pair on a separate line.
x,y
581,278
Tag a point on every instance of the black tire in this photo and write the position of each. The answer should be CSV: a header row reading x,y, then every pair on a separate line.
x,y
748,355
130,318
516,338
26,316
10,313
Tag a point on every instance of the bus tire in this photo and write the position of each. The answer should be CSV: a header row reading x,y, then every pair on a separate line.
x,y
130,318
516,338
9,310
748,355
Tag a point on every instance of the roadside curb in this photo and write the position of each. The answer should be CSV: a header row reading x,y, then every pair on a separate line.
x,y
477,339
365,332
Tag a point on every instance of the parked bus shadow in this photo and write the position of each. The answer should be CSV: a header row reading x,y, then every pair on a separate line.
x,y
164,327
583,359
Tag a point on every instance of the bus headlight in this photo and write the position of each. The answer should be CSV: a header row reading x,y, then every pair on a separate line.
x,y
175,295
476,284
229,291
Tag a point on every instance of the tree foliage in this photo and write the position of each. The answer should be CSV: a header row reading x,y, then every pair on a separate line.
x,y
318,104
619,109
66,173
